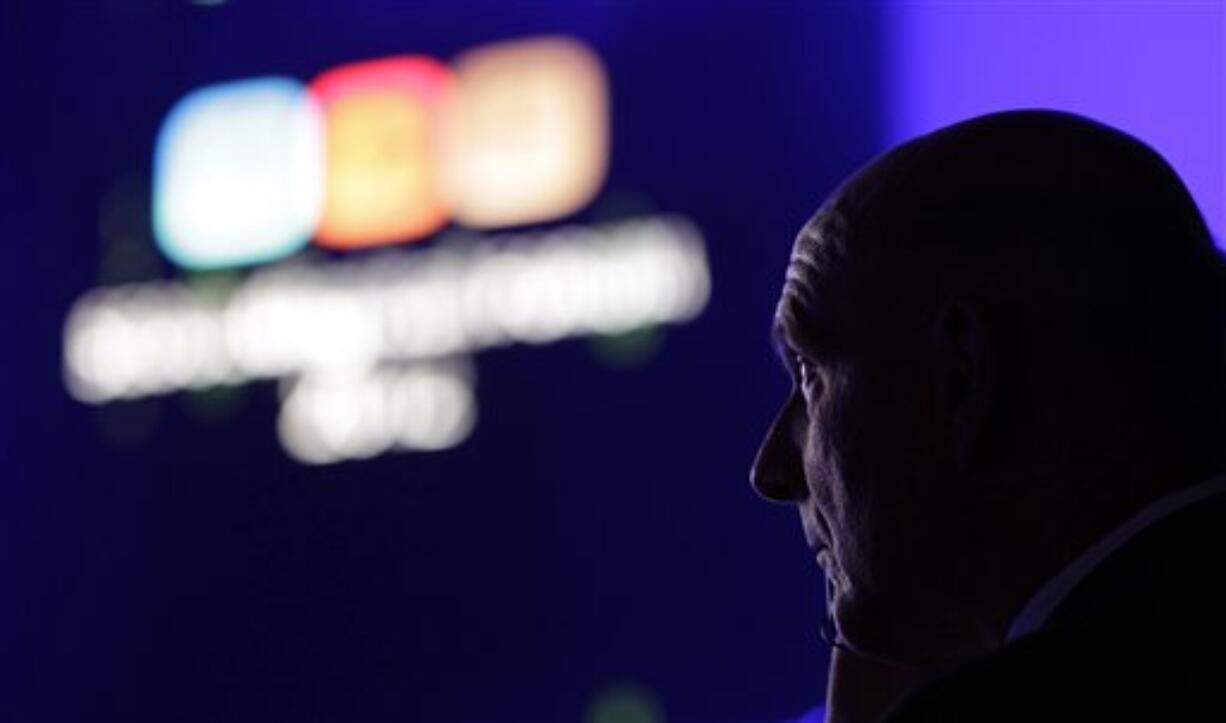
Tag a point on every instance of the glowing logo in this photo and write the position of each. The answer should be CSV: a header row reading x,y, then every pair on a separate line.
x,y
371,354
384,140
380,152
238,174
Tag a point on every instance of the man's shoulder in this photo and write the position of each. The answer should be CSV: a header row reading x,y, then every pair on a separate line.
x,y
1144,634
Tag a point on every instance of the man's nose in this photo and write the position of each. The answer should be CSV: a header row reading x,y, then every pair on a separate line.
x,y
778,472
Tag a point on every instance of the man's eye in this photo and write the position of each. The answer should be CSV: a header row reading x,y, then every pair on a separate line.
x,y
808,375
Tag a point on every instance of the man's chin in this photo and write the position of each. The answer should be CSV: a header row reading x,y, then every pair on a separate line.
x,y
878,634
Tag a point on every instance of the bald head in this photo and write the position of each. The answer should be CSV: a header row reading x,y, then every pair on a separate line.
x,y
1009,187
1080,238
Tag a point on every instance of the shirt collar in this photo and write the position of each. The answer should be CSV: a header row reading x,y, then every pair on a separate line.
x,y
1040,607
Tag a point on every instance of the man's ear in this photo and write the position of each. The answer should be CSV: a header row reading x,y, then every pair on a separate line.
x,y
964,374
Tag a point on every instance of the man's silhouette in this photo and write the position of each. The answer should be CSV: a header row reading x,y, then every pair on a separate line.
x,y
1007,417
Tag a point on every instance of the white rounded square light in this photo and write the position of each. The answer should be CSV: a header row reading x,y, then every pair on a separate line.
x,y
238,174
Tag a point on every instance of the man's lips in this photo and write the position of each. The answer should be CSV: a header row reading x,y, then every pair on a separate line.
x,y
817,533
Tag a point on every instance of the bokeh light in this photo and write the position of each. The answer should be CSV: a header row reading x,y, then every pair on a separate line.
x,y
338,415
129,424
142,339
128,252
384,121
629,349
238,174
381,152
624,703
531,139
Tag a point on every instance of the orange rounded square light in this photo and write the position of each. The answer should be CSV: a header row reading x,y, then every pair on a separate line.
x,y
384,122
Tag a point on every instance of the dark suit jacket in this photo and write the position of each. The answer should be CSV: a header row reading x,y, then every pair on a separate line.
x,y
1142,638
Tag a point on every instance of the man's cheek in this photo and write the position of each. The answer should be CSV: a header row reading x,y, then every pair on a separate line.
x,y
821,450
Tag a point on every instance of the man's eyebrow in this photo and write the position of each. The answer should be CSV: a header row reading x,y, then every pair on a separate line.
x,y
782,344
801,327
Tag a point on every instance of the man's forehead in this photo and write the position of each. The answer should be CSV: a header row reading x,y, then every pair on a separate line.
x,y
818,262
